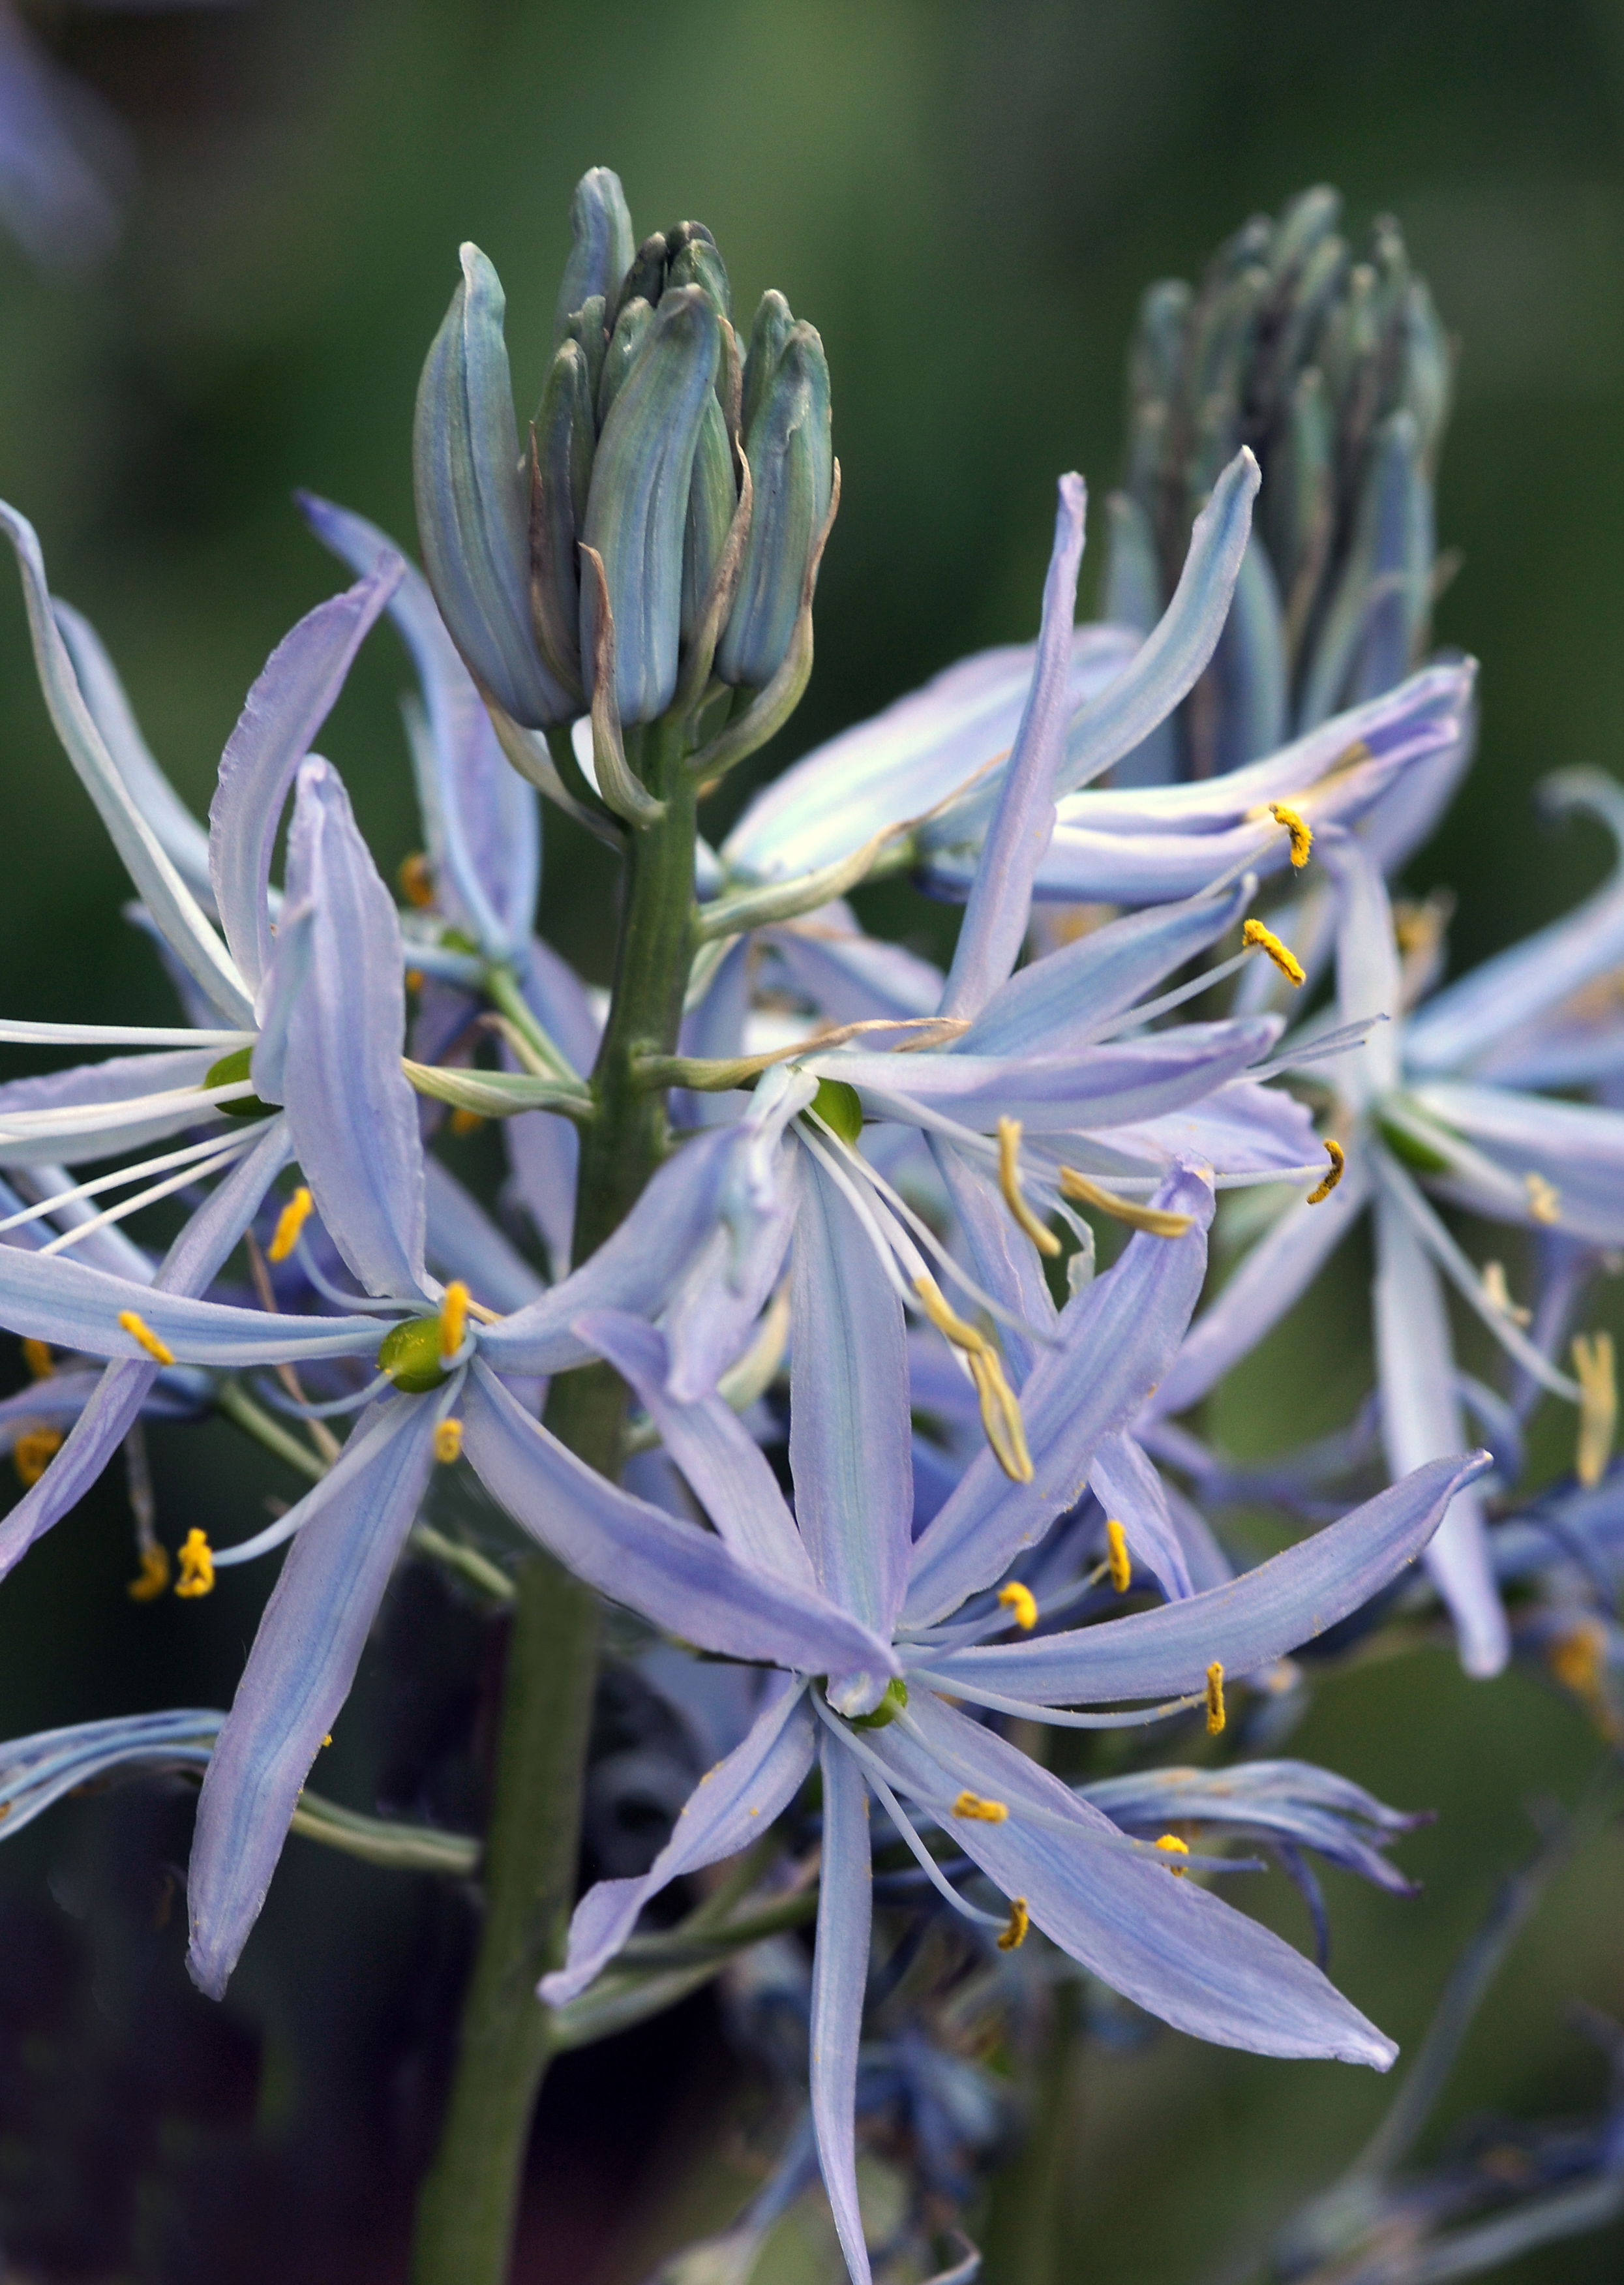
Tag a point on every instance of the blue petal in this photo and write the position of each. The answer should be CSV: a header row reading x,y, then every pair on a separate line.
x,y
293,697
1018,832
1247,1623
732,1808
350,1107
1002,1258
36,1771
679,1577
1291,1800
849,977
1578,1147
298,1676
840,1975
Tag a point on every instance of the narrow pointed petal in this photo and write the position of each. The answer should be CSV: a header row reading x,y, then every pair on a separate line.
x,y
732,1806
293,697
679,1577
995,919
1247,1623
1129,1488
1367,978
58,1299
186,929
350,1107
1116,1338
1421,1421
849,1449
720,1458
36,1771
298,1676
1243,1128
1290,1801
1576,1147
840,1976
1167,1945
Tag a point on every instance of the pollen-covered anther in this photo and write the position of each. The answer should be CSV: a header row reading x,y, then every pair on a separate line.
x,y
980,1811
453,1320
1009,1184
1284,958
1021,1603
1333,1174
465,1121
1599,1405
1170,1845
33,1453
138,1330
152,1577
1013,1935
197,1567
1497,1293
290,1221
1000,1413
1156,1222
1578,1662
1297,826
417,880
36,1356
1545,1198
1116,1555
448,1442
1216,1716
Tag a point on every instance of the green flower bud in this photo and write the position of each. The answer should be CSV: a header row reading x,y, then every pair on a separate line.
x,y
644,278
791,457
774,323
600,249
587,327
694,261
630,332
563,441
712,497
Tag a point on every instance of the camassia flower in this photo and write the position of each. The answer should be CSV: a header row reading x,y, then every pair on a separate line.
x,y
894,1727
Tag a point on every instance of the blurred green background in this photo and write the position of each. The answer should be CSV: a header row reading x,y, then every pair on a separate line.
x,y
967,199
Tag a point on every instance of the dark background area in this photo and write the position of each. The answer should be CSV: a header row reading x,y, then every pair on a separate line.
x,y
967,199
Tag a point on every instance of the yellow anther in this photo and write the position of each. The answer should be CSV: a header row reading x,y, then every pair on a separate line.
x,y
327,1741
1013,1935
1599,1405
979,1811
140,1331
1545,1198
1284,958
1000,1413
448,1442
1298,826
197,1567
1022,1603
1156,1222
290,1221
1116,1555
417,882
36,1356
1578,1661
1497,1293
465,1121
1009,1182
1172,1846
1333,1174
153,1577
414,979
33,1453
453,1320
1215,1698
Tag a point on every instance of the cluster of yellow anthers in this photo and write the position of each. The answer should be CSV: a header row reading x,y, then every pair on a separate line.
x,y
1000,1415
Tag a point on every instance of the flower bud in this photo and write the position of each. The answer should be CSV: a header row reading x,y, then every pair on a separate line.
x,y
600,245
693,260
712,497
791,459
587,327
630,332
644,278
471,510
773,326
562,440
637,509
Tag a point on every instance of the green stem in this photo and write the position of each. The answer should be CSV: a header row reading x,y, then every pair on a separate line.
x,y
470,2198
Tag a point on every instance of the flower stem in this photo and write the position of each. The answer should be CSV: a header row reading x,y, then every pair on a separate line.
x,y
470,2199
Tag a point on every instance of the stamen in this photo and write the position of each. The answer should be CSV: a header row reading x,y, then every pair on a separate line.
x,y
1020,1920
153,1577
1156,1222
465,1121
1000,1413
1009,1182
1215,1698
36,1356
1284,958
1117,1554
1021,1602
414,979
197,1567
448,1442
1298,826
1545,1198
291,1221
140,1331
453,1320
417,882
1172,1846
33,1453
981,1811
1599,1405
1333,1175
1497,1293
